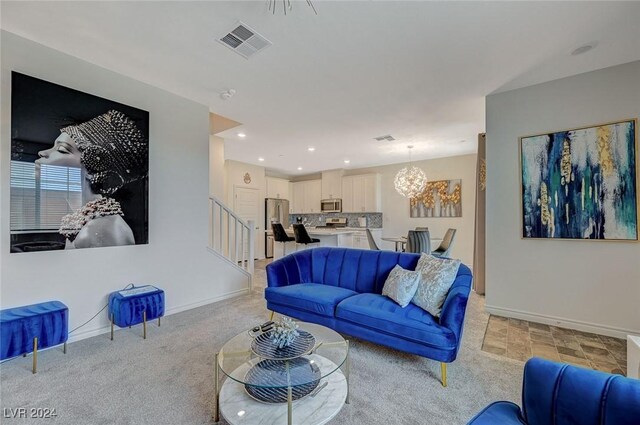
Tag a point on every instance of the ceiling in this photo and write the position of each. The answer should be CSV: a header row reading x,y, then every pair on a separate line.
x,y
416,70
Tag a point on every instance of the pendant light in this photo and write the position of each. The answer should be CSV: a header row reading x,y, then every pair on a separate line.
x,y
410,181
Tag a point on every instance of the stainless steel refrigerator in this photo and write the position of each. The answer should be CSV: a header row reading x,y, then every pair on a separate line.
x,y
276,211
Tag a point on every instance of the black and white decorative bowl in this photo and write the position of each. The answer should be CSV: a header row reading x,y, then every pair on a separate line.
x,y
267,380
264,348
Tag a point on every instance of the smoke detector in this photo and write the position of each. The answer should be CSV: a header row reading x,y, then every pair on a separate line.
x,y
244,41
388,138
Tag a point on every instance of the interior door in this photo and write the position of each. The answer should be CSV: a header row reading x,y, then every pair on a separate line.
x,y
246,204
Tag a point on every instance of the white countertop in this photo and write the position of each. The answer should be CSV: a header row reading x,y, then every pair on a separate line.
x,y
323,231
329,231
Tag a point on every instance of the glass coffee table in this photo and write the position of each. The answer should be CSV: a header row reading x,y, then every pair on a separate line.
x,y
306,386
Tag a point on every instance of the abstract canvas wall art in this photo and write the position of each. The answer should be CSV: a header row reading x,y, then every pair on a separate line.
x,y
79,169
580,183
442,198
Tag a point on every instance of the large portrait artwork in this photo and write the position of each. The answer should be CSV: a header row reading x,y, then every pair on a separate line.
x,y
581,184
79,169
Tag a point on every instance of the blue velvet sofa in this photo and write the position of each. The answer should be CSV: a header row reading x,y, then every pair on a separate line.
x,y
559,394
341,288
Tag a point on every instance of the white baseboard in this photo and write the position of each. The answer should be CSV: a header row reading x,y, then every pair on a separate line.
x,y
562,322
168,312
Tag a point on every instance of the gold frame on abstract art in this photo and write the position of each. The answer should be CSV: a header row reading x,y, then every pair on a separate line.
x,y
635,153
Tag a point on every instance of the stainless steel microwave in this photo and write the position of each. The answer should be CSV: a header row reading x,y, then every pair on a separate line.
x,y
331,205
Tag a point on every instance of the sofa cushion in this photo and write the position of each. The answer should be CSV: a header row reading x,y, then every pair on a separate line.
x,y
438,274
383,314
401,285
312,297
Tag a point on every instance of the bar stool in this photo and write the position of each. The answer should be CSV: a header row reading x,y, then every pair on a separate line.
x,y
302,237
280,235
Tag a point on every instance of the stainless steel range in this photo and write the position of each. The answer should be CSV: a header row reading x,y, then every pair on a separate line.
x,y
334,223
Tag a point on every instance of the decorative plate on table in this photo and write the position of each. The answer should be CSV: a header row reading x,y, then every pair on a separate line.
x,y
263,347
267,380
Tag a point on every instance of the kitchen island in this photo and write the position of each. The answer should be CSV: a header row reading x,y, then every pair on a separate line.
x,y
342,237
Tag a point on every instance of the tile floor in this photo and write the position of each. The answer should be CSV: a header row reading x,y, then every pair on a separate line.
x,y
521,340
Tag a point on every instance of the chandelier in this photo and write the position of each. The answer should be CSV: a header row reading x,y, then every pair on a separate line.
x,y
287,4
410,181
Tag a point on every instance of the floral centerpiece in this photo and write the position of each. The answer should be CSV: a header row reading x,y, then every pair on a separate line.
x,y
284,333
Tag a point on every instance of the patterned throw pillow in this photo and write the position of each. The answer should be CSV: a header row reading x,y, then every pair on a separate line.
x,y
437,276
401,285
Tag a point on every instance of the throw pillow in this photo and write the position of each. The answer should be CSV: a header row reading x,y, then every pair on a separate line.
x,y
401,285
437,276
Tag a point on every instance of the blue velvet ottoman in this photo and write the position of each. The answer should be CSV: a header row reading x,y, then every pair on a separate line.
x,y
26,329
136,305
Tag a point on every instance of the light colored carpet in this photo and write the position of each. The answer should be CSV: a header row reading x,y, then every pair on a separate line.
x,y
168,378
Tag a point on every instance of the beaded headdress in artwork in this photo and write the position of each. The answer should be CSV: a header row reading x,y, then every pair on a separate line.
x,y
113,150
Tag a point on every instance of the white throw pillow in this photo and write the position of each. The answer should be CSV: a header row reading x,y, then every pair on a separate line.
x,y
401,285
436,277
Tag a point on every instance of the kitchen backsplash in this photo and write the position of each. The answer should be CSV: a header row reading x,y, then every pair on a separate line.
x,y
374,220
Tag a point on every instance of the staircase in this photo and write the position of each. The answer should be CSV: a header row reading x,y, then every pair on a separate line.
x,y
231,238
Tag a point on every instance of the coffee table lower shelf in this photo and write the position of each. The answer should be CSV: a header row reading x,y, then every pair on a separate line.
x,y
238,408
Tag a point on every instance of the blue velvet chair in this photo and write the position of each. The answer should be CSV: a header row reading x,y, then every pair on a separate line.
x,y
559,394
341,288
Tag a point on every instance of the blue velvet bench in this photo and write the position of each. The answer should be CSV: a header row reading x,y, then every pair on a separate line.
x,y
341,288
136,305
29,328
560,394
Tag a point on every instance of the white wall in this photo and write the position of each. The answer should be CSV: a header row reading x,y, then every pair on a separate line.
x,y
395,208
216,167
588,285
176,258
235,172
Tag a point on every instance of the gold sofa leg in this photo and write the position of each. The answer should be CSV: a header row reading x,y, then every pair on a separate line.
x,y
272,313
443,368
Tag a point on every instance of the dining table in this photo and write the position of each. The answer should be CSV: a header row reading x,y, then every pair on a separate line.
x,y
401,241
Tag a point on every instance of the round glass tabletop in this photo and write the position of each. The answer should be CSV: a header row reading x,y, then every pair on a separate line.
x,y
239,362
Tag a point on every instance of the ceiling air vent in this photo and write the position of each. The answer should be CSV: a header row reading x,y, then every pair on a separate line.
x,y
388,138
244,41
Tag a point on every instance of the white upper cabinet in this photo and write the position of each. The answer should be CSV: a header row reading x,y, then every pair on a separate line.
x,y
306,197
277,188
347,194
361,193
332,184
313,196
297,201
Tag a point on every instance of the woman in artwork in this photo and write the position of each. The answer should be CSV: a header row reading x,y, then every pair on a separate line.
x,y
110,152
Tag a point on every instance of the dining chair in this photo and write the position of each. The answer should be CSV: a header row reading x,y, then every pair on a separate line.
x,y
446,244
372,242
301,235
419,241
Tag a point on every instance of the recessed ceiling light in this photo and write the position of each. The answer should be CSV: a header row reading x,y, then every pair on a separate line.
x,y
311,149
261,159
242,135
346,161
583,49
241,413
299,168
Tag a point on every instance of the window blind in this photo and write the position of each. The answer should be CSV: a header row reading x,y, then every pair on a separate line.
x,y
41,196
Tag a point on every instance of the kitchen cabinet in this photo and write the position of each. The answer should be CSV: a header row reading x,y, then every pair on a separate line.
x,y
332,184
361,193
277,188
361,241
306,197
